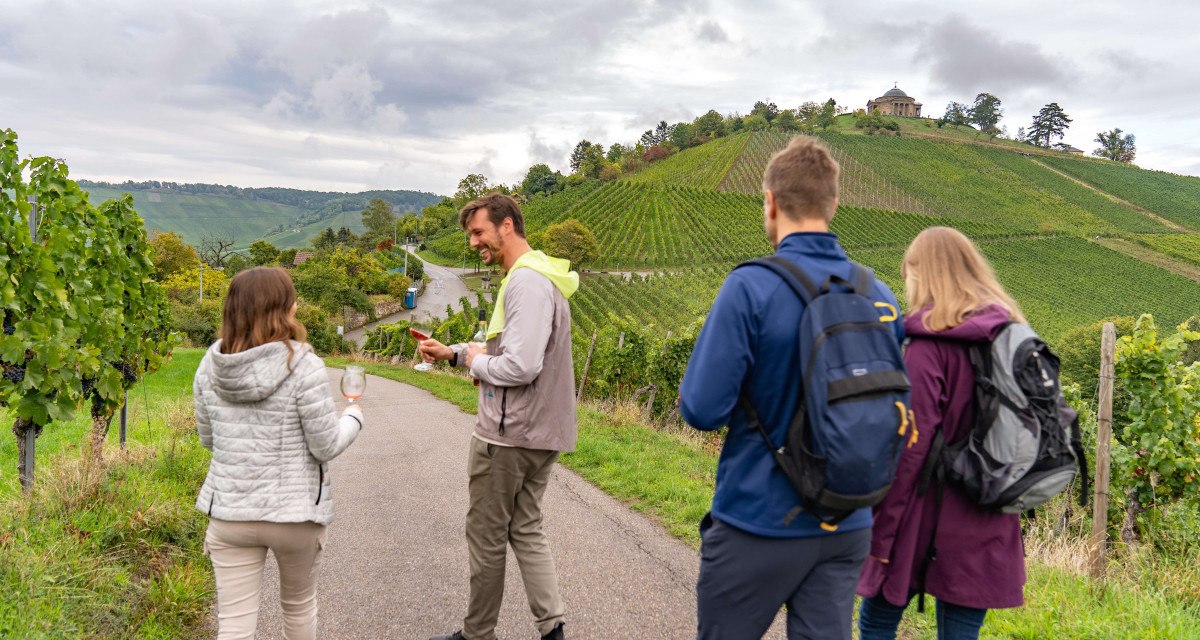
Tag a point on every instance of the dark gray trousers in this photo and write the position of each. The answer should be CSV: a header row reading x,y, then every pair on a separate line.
x,y
745,579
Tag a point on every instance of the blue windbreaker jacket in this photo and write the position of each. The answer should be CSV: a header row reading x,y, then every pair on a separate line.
x,y
749,342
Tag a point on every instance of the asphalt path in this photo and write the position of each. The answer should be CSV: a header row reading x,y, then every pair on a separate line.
x,y
395,563
444,288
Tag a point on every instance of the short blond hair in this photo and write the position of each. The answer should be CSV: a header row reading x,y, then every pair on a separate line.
x,y
945,273
804,179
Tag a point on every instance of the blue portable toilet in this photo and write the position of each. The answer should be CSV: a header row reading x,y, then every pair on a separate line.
x,y
410,298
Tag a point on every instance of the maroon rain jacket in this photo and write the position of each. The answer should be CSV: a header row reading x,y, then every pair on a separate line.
x,y
980,557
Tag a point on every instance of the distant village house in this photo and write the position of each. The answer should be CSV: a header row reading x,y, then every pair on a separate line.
x,y
895,103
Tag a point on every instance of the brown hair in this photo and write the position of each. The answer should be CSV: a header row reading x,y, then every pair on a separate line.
x,y
499,207
258,310
804,179
944,271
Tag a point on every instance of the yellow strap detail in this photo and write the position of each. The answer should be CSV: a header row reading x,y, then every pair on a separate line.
x,y
912,439
903,418
888,318
829,527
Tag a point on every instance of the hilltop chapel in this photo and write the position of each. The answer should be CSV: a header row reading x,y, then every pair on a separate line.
x,y
895,103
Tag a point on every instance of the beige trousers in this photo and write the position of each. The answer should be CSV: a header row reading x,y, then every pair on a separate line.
x,y
506,487
238,551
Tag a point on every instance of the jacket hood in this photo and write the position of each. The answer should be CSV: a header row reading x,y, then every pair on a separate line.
x,y
254,374
557,270
983,325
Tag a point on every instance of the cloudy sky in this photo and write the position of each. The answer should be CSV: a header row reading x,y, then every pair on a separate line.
x,y
415,94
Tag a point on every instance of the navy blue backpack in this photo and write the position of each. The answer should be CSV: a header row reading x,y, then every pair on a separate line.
x,y
846,437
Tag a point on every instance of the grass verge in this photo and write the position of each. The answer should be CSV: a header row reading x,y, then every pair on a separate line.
x,y
115,549
670,477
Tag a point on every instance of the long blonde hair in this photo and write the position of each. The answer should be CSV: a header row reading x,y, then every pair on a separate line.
x,y
258,310
944,272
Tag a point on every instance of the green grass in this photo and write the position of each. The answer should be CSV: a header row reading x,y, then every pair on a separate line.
x,y
112,551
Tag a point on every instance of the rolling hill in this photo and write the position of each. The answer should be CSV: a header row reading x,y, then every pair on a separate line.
x,y
1047,221
287,218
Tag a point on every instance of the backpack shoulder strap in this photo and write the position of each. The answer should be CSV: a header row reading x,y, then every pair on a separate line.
x,y
863,278
791,274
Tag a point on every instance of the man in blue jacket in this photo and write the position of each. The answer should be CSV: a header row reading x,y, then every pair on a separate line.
x,y
757,554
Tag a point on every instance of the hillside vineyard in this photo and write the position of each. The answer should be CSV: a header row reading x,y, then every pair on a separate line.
x,y
1037,215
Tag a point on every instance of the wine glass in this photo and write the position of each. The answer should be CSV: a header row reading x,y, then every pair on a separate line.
x,y
354,382
421,333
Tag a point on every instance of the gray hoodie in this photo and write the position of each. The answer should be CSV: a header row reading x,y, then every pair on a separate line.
x,y
271,428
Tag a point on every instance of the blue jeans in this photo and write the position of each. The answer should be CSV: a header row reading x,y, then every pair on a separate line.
x,y
878,619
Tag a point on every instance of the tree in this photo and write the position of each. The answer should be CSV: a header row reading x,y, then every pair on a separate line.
x,y
540,179
587,159
263,253
1050,123
766,109
378,219
755,123
471,187
828,114
986,113
957,115
235,264
325,240
215,248
345,235
711,124
571,240
1115,146
808,114
786,121
170,254
682,135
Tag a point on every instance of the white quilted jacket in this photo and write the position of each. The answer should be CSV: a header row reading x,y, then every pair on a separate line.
x,y
271,431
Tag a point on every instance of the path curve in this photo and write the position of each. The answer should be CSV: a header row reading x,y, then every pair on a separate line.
x,y
395,564
444,288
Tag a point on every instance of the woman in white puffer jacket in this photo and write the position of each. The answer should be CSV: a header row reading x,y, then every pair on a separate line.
x,y
264,409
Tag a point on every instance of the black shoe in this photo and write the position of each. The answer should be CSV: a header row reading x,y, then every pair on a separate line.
x,y
555,634
457,635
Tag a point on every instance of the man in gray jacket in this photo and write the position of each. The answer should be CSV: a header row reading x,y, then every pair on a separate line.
x,y
526,416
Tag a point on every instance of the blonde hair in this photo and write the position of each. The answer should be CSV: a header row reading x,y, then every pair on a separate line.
x,y
804,179
258,310
945,272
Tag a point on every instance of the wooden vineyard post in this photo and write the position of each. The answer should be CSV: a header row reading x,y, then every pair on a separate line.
x,y
1099,541
586,365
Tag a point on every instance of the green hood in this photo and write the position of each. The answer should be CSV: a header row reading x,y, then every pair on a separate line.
x,y
556,269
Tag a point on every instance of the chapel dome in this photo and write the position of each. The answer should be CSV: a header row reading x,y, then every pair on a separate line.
x,y
895,92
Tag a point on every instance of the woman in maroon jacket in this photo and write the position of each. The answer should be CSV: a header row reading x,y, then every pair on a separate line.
x,y
980,561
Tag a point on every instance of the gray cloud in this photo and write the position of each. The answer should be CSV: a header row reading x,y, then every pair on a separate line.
x,y
711,31
418,93
964,58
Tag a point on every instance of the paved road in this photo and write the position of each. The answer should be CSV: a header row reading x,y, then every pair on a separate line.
x,y
396,561
445,288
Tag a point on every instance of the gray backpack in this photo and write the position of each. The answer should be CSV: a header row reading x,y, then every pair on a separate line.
x,y
1024,447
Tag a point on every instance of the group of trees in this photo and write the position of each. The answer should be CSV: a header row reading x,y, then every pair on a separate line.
x,y
1049,124
593,160
984,113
